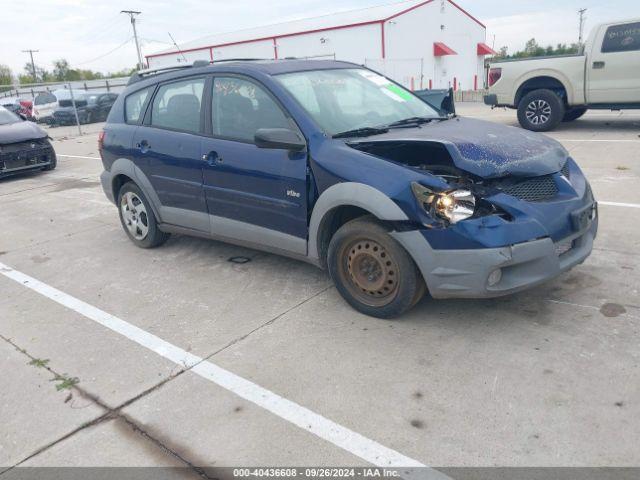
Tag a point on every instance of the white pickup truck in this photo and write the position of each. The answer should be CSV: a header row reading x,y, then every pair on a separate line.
x,y
605,74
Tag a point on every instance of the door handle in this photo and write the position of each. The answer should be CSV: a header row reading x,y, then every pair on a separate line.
x,y
143,146
598,65
212,158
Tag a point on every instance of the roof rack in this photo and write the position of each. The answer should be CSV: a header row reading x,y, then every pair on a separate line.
x,y
138,76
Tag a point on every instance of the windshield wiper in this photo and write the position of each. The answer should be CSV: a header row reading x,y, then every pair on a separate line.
x,y
410,121
362,132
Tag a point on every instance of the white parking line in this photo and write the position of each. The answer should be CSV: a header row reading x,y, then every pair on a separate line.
x,y
340,436
618,204
606,140
77,156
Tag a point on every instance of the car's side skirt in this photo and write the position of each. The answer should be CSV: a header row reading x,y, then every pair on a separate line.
x,y
240,233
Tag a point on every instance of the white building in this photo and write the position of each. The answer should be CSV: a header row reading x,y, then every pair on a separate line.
x,y
419,43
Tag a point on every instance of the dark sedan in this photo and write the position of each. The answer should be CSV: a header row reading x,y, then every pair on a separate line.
x,y
24,146
93,107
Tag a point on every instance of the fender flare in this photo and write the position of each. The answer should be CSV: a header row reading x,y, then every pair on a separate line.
x,y
547,72
124,166
349,194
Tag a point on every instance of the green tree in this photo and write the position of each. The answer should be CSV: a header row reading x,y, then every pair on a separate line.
x,y
533,49
6,78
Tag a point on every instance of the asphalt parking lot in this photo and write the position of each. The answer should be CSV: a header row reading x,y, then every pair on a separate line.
x,y
178,357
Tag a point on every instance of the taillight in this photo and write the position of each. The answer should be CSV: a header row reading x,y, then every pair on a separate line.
x,y
494,75
100,140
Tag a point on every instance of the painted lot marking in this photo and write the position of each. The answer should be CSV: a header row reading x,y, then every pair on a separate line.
x,y
340,436
77,156
611,140
613,204
618,204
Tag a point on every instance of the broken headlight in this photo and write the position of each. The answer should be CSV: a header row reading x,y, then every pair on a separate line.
x,y
453,206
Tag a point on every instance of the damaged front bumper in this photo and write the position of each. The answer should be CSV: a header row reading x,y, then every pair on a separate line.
x,y
24,156
471,273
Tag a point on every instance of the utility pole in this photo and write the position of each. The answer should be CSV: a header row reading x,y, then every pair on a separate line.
x,y
132,14
581,27
33,65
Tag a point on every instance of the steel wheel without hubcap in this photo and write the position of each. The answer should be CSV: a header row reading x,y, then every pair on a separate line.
x,y
371,273
134,215
538,112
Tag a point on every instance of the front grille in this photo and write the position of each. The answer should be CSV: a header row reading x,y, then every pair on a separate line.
x,y
563,247
31,153
535,189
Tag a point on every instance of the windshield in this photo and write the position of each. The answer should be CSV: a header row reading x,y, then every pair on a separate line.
x,y
6,117
348,99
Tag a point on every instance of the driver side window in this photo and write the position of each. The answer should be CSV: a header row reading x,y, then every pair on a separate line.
x,y
240,107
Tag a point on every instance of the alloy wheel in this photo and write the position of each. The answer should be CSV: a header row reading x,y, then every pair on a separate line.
x,y
538,112
134,215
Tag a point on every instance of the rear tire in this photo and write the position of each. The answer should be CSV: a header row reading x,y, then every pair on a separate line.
x,y
137,218
372,271
540,110
574,114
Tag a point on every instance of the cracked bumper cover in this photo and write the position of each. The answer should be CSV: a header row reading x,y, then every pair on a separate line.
x,y
465,273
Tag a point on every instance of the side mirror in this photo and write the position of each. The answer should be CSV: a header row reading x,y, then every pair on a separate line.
x,y
279,138
23,117
448,104
440,99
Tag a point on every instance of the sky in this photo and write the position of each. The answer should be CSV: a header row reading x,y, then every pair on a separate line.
x,y
92,34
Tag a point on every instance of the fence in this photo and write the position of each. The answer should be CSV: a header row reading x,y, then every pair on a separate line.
x,y
32,90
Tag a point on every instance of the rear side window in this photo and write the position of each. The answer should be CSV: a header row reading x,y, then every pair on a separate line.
x,y
134,104
177,105
622,38
44,98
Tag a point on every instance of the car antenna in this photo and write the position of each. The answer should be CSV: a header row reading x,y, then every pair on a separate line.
x,y
177,47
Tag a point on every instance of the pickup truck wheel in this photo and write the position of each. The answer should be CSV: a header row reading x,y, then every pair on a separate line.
x,y
573,114
371,271
540,111
137,218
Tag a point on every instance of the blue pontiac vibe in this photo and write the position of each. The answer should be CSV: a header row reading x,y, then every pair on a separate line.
x,y
336,165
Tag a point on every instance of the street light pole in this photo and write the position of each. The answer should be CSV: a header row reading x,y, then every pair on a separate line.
x,y
132,14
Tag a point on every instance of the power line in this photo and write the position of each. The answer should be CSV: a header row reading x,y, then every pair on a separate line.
x,y
106,54
132,14
106,27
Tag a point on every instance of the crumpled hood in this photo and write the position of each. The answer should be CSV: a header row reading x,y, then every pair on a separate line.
x,y
485,149
20,132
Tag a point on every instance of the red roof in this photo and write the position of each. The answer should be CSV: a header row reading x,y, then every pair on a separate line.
x,y
440,50
484,49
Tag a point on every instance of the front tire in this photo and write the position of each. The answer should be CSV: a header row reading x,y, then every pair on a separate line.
x,y
54,160
372,272
137,218
540,110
